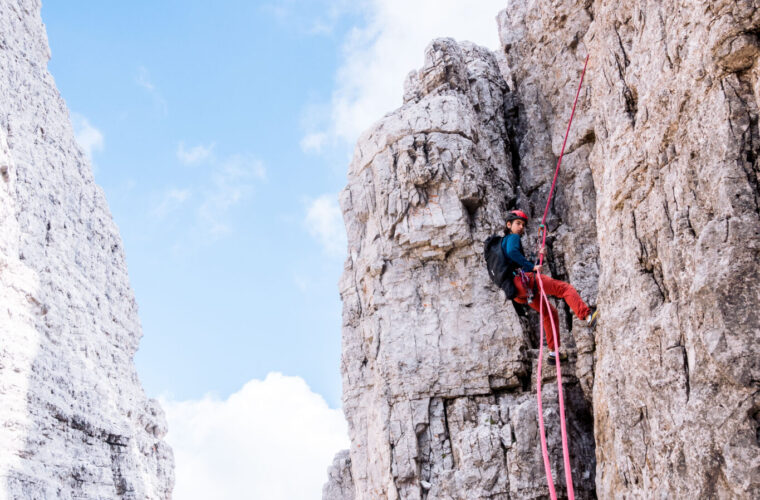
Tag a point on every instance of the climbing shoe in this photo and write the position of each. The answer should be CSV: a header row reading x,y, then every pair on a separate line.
x,y
553,356
591,320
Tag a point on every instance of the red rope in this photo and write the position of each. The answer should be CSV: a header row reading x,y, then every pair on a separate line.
x,y
545,299
544,451
559,162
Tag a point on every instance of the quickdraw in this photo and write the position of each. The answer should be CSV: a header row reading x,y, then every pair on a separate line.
x,y
541,231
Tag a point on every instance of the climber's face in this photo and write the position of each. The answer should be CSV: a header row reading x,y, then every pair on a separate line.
x,y
516,226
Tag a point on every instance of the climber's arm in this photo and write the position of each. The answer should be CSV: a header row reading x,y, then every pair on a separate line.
x,y
513,252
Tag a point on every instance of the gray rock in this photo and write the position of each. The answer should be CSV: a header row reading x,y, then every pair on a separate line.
x,y
436,364
75,421
675,107
656,217
339,485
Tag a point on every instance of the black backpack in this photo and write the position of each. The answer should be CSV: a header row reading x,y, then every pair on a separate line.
x,y
500,268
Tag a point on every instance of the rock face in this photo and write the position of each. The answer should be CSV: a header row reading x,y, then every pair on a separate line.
x,y
339,483
75,421
656,218
437,366
675,100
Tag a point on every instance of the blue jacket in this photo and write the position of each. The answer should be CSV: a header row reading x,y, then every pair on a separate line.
x,y
512,246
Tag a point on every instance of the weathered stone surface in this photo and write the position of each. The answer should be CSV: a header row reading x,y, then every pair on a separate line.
x,y
675,106
671,138
75,421
339,485
656,217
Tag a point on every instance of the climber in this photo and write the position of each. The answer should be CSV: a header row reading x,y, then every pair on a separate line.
x,y
525,282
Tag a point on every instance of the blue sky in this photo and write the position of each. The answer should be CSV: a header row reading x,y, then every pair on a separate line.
x,y
239,289
221,134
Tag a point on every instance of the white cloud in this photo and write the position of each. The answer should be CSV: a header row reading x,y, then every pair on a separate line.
x,y
313,143
318,18
315,118
210,197
195,154
231,181
90,139
331,13
324,221
273,439
378,55
173,199
144,80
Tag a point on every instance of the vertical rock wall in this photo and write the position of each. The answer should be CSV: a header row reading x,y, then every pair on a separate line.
x,y
656,219
75,421
437,365
670,134
675,96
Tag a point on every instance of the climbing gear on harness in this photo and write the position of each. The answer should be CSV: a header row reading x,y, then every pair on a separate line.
x,y
525,280
498,266
544,299
592,317
517,214
541,231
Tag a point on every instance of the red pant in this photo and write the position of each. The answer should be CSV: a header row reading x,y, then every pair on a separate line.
x,y
555,288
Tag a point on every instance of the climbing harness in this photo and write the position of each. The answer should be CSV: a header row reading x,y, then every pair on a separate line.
x,y
545,300
526,285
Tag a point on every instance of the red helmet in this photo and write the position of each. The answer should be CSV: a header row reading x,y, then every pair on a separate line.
x,y
517,214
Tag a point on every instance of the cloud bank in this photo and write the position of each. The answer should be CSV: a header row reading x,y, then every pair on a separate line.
x,y
273,439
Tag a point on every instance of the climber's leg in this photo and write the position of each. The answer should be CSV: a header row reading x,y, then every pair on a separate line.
x,y
522,293
549,314
566,291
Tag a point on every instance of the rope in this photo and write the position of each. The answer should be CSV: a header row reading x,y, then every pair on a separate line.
x,y
565,452
547,465
545,299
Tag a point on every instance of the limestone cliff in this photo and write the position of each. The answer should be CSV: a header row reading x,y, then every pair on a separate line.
x,y
437,365
656,219
75,421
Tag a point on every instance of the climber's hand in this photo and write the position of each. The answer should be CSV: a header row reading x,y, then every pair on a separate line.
x,y
542,252
537,269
